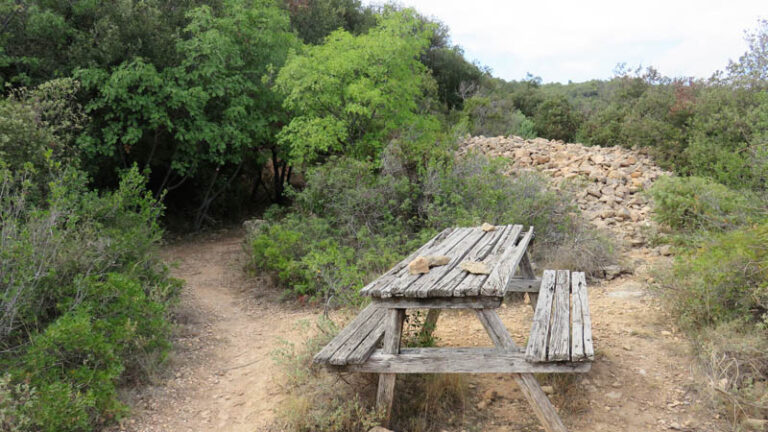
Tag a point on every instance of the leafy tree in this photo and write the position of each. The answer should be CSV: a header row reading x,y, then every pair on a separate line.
x,y
205,119
752,68
556,119
45,39
351,94
313,20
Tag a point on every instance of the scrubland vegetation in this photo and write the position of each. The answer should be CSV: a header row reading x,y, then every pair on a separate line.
x,y
120,118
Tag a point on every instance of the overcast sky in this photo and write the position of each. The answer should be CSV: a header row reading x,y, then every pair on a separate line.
x,y
580,40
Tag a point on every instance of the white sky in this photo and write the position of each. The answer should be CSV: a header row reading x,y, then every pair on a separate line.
x,y
584,39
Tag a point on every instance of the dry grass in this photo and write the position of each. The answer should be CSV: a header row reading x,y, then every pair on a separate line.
x,y
321,400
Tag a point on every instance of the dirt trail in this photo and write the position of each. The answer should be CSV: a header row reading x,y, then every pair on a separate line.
x,y
221,375
642,378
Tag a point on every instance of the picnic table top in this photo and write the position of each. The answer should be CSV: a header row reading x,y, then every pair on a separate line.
x,y
500,249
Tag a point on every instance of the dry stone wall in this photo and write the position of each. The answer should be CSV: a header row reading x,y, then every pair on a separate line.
x,y
613,178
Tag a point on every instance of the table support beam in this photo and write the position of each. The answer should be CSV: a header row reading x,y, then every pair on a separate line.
x,y
392,333
530,388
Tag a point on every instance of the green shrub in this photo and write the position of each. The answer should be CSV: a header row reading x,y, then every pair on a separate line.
x,y
556,119
83,297
725,279
695,203
351,222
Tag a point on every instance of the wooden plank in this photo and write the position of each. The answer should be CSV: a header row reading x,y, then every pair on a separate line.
x,y
440,302
559,345
460,360
386,391
540,403
579,287
526,270
507,266
518,285
479,252
367,346
374,288
359,334
533,392
577,323
421,286
430,323
399,285
536,350
345,334
472,284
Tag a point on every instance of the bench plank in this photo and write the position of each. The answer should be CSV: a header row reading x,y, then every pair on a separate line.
x,y
536,351
345,334
460,360
560,334
582,347
358,336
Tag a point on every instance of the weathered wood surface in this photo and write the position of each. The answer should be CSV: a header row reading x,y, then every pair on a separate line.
x,y
345,336
530,388
582,347
393,329
562,329
439,302
501,249
519,285
505,268
537,341
460,360
560,336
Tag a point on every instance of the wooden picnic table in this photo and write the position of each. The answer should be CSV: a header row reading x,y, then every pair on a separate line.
x,y
560,341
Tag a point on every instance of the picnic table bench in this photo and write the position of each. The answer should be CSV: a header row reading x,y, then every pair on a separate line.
x,y
560,339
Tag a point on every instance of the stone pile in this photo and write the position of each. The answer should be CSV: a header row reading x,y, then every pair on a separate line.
x,y
608,180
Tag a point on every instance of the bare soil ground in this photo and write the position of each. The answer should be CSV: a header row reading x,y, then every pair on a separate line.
x,y
222,377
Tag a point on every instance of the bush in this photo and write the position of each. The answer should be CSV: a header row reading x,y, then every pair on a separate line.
x,y
695,203
556,119
83,298
725,279
351,223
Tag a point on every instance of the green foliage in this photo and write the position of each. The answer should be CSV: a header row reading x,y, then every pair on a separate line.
x,y
352,93
696,203
725,279
313,20
76,321
351,223
556,119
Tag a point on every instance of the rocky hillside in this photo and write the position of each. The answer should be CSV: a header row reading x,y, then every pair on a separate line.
x,y
612,178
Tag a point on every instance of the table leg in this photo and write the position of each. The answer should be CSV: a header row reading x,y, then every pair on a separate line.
x,y
391,345
430,322
530,388
526,270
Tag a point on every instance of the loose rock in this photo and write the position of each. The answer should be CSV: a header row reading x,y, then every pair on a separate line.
x,y
475,267
419,265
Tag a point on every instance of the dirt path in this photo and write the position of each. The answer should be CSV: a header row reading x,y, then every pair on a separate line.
x,y
222,376
642,378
